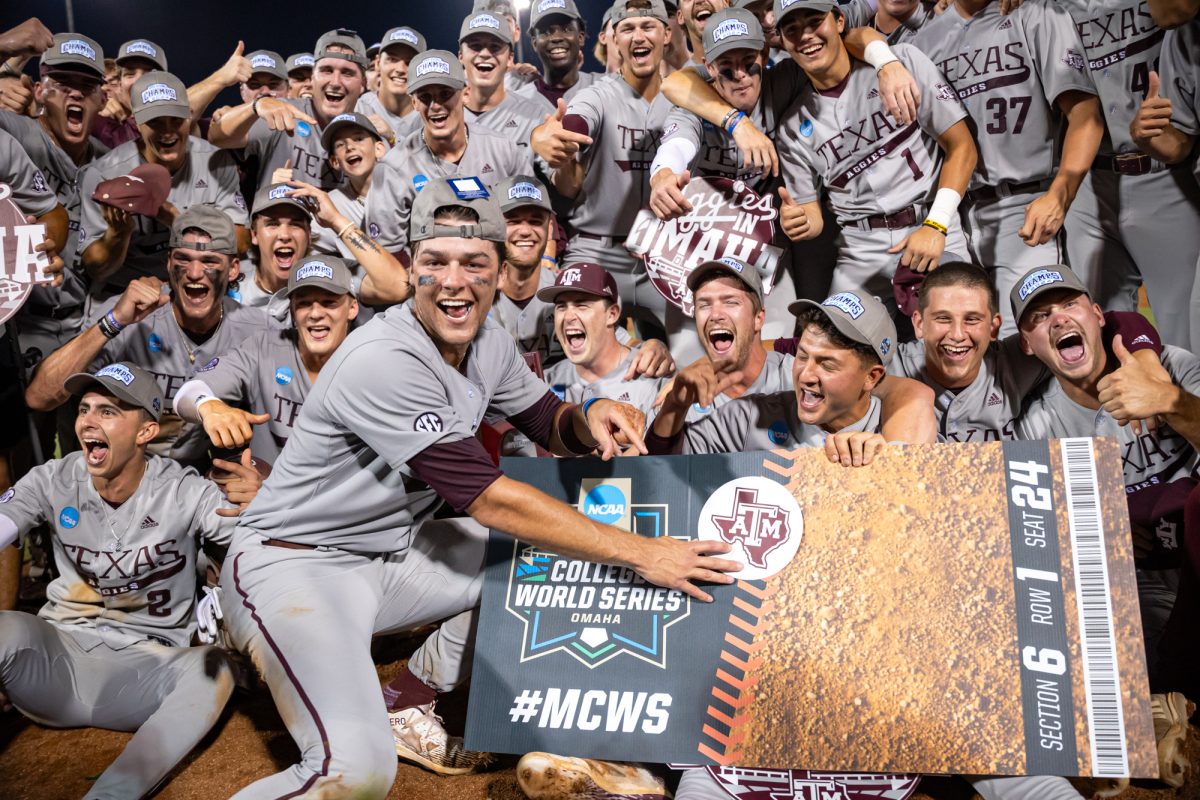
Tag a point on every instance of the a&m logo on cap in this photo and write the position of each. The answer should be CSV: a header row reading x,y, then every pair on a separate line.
x,y
315,269
730,27
732,263
847,303
279,192
526,190
403,35
158,92
141,47
570,277
262,60
75,47
118,372
547,4
1037,280
485,21
433,64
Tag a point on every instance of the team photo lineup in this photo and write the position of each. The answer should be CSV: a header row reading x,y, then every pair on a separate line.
x,y
261,361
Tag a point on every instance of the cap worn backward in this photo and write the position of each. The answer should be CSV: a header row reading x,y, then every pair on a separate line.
x,y
127,382
299,61
143,48
784,7
275,195
468,192
404,36
158,94
76,53
520,191
435,68
860,318
590,279
324,272
267,62
484,22
1040,280
641,8
212,221
543,9
732,29
341,38
746,273
343,121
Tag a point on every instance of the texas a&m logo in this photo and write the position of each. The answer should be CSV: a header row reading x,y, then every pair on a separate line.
x,y
762,521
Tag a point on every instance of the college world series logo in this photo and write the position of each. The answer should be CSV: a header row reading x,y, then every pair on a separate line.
x,y
595,612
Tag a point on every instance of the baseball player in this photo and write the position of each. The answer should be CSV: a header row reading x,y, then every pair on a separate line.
x,y
117,246
557,32
299,71
280,235
169,336
1021,105
485,51
258,388
134,59
268,76
391,102
1166,127
386,452
287,133
355,147
1131,204
879,174
587,313
109,648
446,146
373,67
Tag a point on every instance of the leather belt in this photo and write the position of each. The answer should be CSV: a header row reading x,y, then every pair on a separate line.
x,y
1125,164
616,240
986,194
904,218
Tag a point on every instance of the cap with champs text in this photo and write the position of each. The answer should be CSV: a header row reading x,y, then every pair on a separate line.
x,y
324,272
344,40
142,48
495,6
143,191
860,317
463,192
746,273
267,62
75,53
520,191
275,195
732,29
209,220
590,279
126,382
629,9
159,94
374,49
299,61
543,10
485,22
784,7
343,121
404,36
1039,280
435,68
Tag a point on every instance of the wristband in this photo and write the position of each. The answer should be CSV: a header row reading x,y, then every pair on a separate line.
x,y
345,228
112,318
878,55
728,116
551,259
733,123
945,207
587,404
937,226
109,326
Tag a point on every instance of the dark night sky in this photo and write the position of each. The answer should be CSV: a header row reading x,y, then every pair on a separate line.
x,y
198,35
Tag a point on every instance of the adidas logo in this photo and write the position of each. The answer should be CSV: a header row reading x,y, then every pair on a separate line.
x,y
486,168
1006,24
201,183
512,123
149,522
873,93
624,398
1143,339
993,399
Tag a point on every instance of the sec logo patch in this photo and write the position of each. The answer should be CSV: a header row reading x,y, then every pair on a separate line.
x,y
283,376
428,422
68,517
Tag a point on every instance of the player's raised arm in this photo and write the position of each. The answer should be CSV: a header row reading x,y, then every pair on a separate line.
x,y
1152,130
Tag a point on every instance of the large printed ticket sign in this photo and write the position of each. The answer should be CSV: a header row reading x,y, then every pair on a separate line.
x,y
968,609
22,265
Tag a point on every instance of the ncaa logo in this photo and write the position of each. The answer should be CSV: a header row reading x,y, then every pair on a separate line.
x,y
806,128
778,433
68,517
428,422
155,343
762,521
605,503
303,128
419,181
283,375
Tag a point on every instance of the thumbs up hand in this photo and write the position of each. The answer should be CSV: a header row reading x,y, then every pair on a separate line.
x,y
1139,390
1153,116
554,142
792,217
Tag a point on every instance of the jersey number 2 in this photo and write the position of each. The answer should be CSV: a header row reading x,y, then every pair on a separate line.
x,y
999,107
159,603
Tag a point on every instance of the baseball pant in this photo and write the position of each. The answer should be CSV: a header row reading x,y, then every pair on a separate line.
x,y
172,696
655,317
992,229
1124,230
698,784
306,619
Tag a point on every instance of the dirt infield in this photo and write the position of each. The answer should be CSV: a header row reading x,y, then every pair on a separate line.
x,y
250,742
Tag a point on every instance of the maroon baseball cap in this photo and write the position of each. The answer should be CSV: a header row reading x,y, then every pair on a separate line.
x,y
590,279
906,288
142,191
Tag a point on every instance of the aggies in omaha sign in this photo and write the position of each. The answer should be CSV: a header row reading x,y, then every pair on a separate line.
x,y
728,218
22,266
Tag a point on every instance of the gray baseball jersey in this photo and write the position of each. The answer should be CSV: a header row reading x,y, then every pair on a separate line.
x,y
30,191
537,90
764,422
158,345
514,117
409,165
402,127
906,32
265,375
128,574
640,392
343,479
866,161
1180,76
310,162
209,176
1008,71
858,13
531,324
776,376
354,208
250,294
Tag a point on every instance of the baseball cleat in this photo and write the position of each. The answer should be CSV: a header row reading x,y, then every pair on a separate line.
x,y
545,776
421,738
1171,713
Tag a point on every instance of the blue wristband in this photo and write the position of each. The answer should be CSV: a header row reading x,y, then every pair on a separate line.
x,y
587,403
733,123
